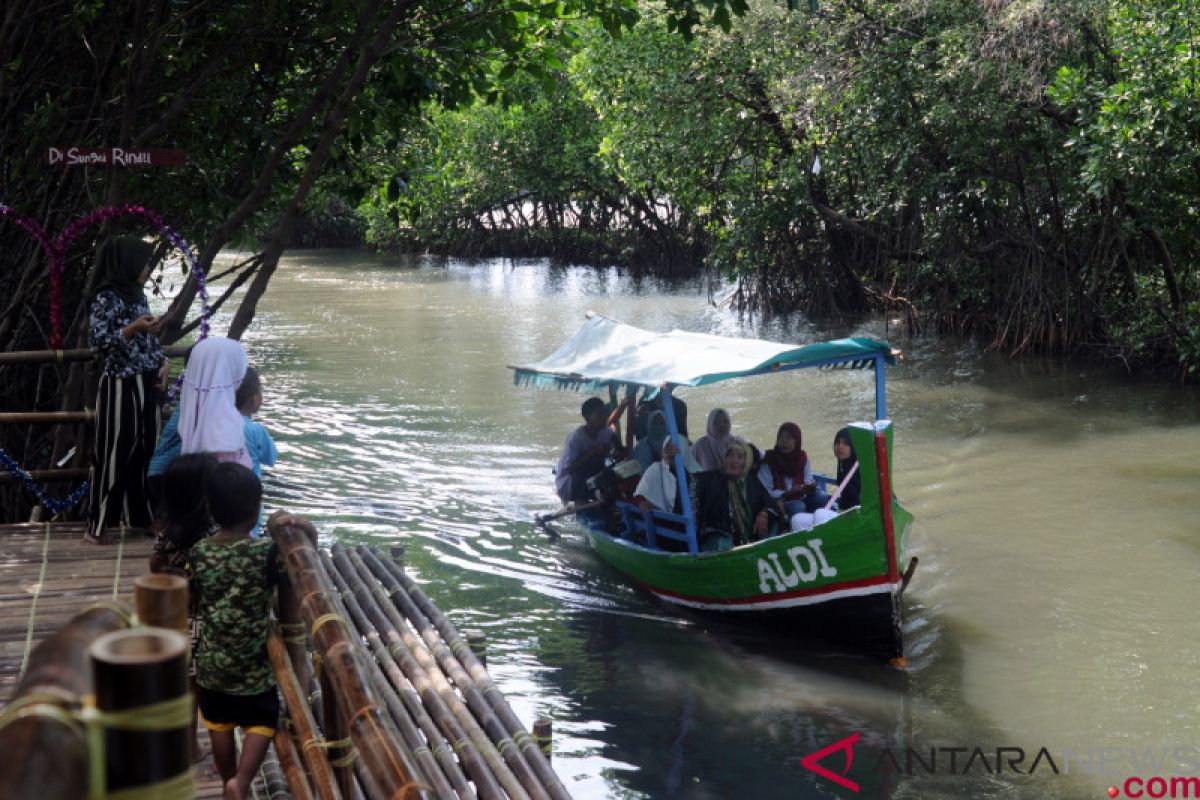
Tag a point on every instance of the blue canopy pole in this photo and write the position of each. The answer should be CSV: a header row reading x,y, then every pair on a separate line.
x,y
680,473
880,390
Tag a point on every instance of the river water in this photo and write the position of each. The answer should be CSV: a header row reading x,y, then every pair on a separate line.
x,y
1057,523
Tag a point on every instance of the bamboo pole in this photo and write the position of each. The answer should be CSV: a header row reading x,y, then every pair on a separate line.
x,y
86,416
136,671
275,779
335,731
436,720
48,475
45,754
409,649
543,734
482,679
79,354
314,758
447,660
434,754
47,417
374,735
293,770
295,635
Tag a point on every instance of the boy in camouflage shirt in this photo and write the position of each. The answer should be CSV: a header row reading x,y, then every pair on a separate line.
x,y
233,577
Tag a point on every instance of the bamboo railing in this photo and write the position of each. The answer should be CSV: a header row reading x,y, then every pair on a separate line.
x,y
387,766
457,731
66,356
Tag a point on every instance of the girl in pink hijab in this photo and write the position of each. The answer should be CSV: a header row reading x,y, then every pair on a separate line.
x,y
710,448
209,421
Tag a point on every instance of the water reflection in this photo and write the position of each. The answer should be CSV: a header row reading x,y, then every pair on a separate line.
x,y
1056,523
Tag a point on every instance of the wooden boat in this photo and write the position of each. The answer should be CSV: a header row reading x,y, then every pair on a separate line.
x,y
839,581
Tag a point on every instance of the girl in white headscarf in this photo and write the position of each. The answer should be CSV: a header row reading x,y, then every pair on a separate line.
x,y
209,421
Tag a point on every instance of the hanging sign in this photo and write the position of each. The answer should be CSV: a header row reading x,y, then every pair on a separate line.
x,y
114,157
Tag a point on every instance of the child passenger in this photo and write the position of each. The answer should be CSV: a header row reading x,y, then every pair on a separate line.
x,y
233,579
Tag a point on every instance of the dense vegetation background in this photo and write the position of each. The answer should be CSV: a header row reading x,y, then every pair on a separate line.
x,y
1026,171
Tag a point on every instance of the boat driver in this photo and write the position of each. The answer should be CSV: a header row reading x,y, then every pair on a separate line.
x,y
584,453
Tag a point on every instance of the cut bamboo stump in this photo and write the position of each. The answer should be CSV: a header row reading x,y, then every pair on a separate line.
x,y
161,601
142,695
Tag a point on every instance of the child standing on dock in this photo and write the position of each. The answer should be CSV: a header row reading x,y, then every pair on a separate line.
x,y
234,577
259,443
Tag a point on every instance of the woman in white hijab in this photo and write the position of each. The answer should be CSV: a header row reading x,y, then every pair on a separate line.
x,y
209,421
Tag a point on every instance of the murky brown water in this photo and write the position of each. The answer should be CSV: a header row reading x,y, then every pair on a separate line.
x,y
1058,525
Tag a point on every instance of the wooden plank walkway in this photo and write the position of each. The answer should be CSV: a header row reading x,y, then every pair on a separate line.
x,y
48,576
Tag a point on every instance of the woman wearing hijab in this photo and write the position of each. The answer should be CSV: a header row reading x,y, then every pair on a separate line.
x,y
658,485
134,372
732,508
649,449
709,449
209,420
843,450
787,472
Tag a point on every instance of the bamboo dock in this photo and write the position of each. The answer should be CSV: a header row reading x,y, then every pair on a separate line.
x,y
383,697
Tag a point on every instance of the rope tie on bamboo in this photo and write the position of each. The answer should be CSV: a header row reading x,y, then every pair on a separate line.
x,y
37,592
506,742
314,593
324,618
58,354
462,744
335,744
524,739
44,704
314,697
458,647
297,635
117,607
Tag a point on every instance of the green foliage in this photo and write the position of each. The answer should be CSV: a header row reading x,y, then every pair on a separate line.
x,y
1023,170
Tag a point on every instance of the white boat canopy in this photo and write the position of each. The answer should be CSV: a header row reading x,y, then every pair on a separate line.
x,y
605,352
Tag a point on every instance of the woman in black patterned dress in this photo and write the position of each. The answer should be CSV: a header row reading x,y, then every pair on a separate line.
x,y
125,336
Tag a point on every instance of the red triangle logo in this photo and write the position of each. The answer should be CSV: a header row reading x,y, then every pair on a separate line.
x,y
847,744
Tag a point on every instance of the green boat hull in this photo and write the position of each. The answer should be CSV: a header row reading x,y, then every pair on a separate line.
x,y
837,581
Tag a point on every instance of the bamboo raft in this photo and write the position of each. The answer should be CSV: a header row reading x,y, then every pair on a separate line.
x,y
383,697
